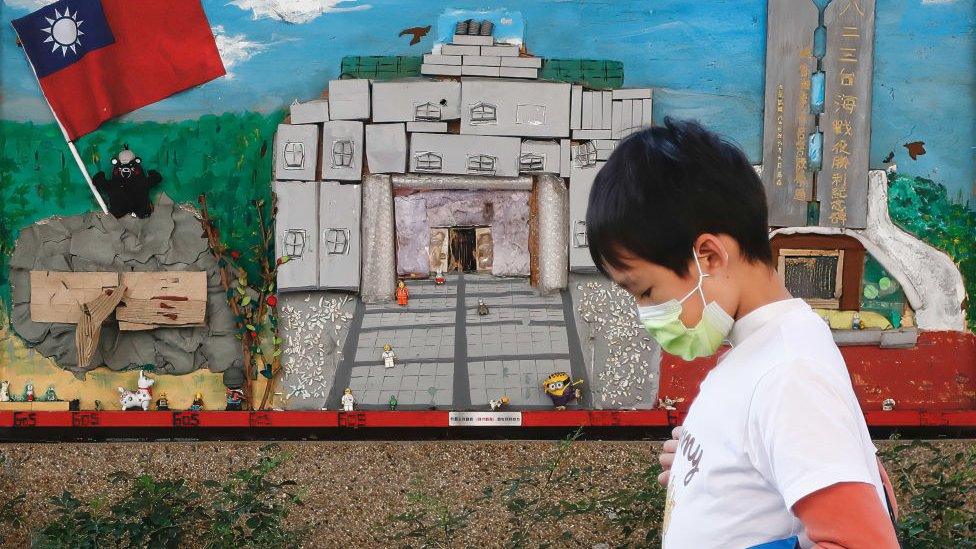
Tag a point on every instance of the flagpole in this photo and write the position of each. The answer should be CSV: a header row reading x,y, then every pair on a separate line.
x,y
84,172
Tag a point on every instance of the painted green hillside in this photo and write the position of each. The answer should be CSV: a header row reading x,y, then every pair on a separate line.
x,y
227,156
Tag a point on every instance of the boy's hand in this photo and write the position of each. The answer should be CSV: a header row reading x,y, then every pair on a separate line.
x,y
667,455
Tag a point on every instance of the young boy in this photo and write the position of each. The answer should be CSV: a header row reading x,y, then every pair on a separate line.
x,y
774,445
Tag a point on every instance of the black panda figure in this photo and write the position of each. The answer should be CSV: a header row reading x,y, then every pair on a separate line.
x,y
127,191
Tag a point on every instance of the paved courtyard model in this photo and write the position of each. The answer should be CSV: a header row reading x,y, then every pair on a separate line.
x,y
449,356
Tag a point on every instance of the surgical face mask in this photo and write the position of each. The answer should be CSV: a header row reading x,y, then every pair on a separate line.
x,y
664,324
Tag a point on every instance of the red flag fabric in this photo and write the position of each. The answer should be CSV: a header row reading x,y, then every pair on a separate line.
x,y
98,59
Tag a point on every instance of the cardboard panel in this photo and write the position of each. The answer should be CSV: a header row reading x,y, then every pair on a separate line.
x,y
464,154
422,100
296,234
515,107
310,112
295,146
580,182
342,150
787,120
340,212
349,99
386,148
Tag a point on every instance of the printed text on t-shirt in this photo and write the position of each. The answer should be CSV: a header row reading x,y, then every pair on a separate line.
x,y
691,452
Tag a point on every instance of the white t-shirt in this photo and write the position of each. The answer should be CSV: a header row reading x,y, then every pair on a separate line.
x,y
775,420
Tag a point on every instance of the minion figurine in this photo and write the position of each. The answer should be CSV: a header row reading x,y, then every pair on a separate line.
x,y
562,389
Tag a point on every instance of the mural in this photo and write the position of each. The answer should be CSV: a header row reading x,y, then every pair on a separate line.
x,y
703,60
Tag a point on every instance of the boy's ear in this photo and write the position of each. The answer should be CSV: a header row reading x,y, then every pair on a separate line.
x,y
713,253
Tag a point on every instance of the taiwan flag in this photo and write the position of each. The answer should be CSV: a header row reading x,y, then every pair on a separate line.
x,y
98,59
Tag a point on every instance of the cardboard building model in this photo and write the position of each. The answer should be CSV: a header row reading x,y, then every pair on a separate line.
x,y
478,121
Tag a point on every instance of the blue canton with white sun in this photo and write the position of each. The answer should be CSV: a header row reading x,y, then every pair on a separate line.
x,y
61,33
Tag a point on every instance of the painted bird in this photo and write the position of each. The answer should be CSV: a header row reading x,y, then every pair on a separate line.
x,y
417,32
915,148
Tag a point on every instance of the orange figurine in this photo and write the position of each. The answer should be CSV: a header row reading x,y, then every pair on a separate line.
x,y
402,294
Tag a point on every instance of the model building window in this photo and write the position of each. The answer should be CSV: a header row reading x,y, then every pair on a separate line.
x,y
481,163
817,276
427,111
533,115
336,241
294,243
586,154
483,113
428,162
532,162
579,234
342,153
294,155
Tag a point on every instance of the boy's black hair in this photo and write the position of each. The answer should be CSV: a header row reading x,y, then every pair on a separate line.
x,y
665,186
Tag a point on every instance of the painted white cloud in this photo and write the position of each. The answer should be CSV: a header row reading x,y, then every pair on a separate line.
x,y
938,1
235,48
31,5
296,11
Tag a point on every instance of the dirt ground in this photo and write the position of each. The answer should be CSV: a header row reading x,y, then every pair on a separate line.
x,y
350,488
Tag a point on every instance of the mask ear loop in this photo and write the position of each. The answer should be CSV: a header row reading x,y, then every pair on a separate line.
x,y
701,291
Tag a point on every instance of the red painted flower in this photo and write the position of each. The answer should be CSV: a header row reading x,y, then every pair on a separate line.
x,y
235,254
272,301
254,335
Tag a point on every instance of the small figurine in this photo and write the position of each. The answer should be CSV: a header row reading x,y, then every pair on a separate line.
x,y
163,403
402,294
197,402
562,389
388,356
668,403
393,402
4,391
439,278
50,395
98,406
127,187
482,307
28,392
497,403
888,404
139,398
856,321
235,399
74,405
348,401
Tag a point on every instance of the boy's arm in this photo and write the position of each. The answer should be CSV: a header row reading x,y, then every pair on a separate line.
x,y
806,438
846,515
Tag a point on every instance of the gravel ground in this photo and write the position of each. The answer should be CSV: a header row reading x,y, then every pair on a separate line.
x,y
350,488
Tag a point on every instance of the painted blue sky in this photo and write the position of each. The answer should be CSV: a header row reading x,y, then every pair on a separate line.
x,y
704,57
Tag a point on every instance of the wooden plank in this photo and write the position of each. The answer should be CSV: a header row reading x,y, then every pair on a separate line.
x,y
842,184
163,298
787,120
58,296
151,299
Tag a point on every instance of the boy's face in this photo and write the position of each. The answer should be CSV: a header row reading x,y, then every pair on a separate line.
x,y
652,284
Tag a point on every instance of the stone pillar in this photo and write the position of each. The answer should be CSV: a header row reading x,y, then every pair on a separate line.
x,y
553,233
379,252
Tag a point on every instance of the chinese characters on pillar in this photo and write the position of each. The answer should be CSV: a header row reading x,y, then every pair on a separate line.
x,y
788,120
846,124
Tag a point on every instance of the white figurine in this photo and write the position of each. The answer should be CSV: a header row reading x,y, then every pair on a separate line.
x,y
388,356
888,404
497,403
139,398
348,401
4,391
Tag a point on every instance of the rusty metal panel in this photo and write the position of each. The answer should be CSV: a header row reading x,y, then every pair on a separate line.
x,y
787,120
842,184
